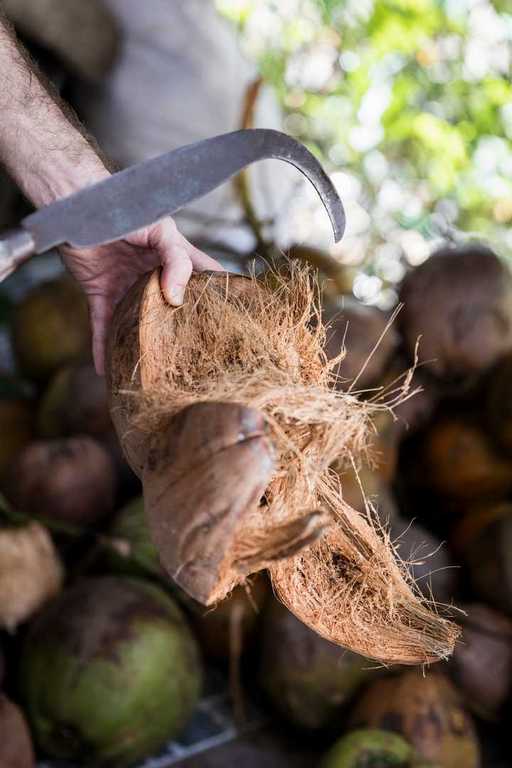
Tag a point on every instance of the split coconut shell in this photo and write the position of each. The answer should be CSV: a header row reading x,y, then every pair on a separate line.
x,y
459,304
226,409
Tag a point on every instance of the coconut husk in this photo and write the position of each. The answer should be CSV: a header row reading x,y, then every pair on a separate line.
x,y
31,572
226,409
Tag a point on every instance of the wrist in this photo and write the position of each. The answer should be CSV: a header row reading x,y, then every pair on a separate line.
x,y
64,175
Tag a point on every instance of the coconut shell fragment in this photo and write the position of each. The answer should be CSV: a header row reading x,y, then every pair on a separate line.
x,y
227,410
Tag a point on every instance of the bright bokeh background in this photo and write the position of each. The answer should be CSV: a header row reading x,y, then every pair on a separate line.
x,y
409,105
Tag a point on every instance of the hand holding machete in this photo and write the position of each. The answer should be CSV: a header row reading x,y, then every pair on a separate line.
x,y
112,231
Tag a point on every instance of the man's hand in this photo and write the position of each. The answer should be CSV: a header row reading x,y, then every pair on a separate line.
x,y
107,272
46,151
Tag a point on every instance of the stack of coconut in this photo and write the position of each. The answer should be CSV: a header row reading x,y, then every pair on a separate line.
x,y
101,653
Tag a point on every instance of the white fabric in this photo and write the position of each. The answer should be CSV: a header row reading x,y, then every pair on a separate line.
x,y
181,77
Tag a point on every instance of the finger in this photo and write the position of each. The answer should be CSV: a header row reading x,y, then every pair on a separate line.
x,y
101,311
202,262
175,260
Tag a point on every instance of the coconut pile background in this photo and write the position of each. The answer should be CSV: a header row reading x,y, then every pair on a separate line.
x,y
105,661
89,615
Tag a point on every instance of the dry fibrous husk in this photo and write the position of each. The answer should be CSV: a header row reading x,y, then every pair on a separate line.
x,y
226,409
30,572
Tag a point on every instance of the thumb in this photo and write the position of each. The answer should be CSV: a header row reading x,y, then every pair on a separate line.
x,y
174,256
101,311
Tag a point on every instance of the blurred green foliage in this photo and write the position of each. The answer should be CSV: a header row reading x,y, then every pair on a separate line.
x,y
409,99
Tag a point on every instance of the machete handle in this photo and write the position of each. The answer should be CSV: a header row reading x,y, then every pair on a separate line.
x,y
16,246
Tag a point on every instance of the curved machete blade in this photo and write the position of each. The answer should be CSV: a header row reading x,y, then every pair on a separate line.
x,y
145,193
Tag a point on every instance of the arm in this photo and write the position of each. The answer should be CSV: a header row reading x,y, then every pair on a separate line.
x,y
47,153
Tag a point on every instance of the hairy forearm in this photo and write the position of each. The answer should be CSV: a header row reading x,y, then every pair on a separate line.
x,y
42,145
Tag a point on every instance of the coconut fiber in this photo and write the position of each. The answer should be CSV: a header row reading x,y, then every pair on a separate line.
x,y
226,410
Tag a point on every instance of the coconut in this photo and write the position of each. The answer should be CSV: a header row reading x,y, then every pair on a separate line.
x,y
367,748
16,426
459,462
74,403
16,750
498,409
425,710
30,572
109,672
459,302
482,663
71,480
83,35
135,554
226,409
488,559
364,338
51,328
307,679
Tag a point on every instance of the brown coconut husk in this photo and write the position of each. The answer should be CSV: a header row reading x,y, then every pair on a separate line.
x,y
239,352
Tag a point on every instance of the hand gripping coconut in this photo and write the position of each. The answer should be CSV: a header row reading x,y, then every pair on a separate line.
x,y
227,410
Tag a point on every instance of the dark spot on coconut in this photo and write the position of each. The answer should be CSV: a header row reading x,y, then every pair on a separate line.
x,y
70,735
108,617
427,725
392,721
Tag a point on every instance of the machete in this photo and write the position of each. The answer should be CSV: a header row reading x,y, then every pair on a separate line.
x,y
145,193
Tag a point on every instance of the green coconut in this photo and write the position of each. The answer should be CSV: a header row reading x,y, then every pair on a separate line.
x,y
109,672
51,328
370,749
134,553
308,679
